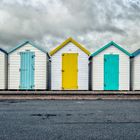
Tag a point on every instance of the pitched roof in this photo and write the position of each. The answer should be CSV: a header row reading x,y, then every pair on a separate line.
x,y
3,50
66,42
137,52
107,46
24,43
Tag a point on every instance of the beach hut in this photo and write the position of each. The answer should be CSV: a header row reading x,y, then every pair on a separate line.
x,y
69,66
27,67
3,69
135,70
110,68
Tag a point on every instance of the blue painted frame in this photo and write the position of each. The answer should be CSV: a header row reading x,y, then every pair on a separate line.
x,y
107,46
3,51
137,52
31,43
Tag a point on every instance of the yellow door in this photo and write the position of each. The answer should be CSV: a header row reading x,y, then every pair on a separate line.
x,y
69,71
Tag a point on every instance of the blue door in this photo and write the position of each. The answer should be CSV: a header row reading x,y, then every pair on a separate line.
x,y
111,72
27,70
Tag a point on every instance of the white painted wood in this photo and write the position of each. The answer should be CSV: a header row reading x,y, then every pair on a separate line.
x,y
98,69
56,66
136,73
40,68
3,70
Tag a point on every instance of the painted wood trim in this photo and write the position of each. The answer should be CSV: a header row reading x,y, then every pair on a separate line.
x,y
27,42
3,51
108,45
66,42
137,52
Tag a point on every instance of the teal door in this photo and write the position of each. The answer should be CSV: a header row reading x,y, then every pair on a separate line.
x,y
111,72
27,70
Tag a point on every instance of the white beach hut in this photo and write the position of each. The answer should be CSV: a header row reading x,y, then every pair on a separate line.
x,y
110,68
3,69
135,70
27,67
69,66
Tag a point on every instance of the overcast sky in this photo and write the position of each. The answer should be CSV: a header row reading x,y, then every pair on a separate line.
x,y
92,23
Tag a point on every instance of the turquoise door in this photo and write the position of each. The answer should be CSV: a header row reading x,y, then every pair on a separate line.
x,y
111,72
27,70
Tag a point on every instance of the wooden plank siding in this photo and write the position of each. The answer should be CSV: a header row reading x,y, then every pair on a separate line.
x,y
41,69
98,69
3,70
56,66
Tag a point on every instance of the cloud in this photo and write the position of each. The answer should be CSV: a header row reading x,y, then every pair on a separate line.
x,y
91,22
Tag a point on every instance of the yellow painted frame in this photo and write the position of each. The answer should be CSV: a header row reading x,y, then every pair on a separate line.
x,y
68,41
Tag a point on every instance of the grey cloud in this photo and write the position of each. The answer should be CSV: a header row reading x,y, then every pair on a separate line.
x,y
91,22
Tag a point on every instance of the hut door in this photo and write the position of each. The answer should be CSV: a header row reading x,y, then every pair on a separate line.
x,y
69,71
111,72
27,70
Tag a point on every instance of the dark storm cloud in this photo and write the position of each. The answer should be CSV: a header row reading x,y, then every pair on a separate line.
x,y
91,22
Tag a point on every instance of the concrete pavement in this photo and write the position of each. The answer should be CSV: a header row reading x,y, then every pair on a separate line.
x,y
69,120
87,95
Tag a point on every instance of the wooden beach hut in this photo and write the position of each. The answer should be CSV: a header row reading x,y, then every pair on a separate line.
x,y
3,69
135,70
28,67
69,66
110,68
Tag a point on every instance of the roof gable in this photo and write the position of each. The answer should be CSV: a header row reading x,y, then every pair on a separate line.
x,y
66,42
24,43
107,46
137,52
3,51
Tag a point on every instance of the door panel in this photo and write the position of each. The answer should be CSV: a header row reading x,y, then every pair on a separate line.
x,y
27,70
111,72
69,71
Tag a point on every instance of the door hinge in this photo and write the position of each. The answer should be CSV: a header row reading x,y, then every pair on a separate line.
x,y
19,69
62,70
